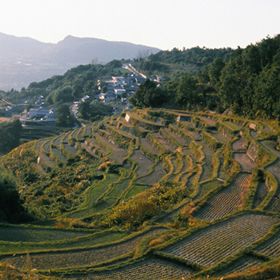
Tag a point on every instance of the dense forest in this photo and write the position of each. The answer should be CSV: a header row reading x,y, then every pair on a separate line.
x,y
246,81
176,62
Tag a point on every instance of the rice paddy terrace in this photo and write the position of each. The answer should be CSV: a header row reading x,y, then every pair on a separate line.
x,y
148,194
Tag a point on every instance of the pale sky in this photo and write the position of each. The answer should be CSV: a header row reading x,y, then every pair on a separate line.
x,y
164,24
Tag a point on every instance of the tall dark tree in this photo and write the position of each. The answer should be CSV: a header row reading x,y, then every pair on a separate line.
x,y
64,116
148,95
214,71
187,96
84,110
10,134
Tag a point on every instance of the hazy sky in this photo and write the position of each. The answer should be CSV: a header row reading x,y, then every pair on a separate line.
x,y
158,23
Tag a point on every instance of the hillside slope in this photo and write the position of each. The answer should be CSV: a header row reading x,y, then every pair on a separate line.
x,y
144,196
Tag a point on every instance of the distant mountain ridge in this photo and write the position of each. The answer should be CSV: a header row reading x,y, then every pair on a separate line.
x,y
24,60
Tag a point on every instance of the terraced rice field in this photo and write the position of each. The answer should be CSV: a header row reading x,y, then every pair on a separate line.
x,y
271,247
274,205
176,137
69,148
146,143
163,142
15,234
94,145
238,145
219,137
211,245
261,193
270,145
154,177
209,121
194,134
207,167
241,265
244,161
227,201
59,154
43,157
204,188
150,269
118,153
79,257
170,158
144,164
58,139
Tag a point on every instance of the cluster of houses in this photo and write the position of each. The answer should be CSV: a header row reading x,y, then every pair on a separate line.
x,y
119,85
118,88
39,115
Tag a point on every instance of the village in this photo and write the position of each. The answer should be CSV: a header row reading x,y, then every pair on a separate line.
x,y
117,91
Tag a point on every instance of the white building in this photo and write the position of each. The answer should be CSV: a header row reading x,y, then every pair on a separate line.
x,y
37,113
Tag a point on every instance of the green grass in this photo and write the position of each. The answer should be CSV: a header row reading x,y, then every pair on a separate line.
x,y
233,126
134,190
207,187
66,243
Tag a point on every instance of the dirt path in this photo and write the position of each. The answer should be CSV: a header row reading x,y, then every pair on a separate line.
x,y
78,257
47,145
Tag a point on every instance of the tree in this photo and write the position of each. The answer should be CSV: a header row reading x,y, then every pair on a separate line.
x,y
187,92
10,134
148,95
94,110
215,71
104,89
124,94
84,111
64,116
64,94
11,210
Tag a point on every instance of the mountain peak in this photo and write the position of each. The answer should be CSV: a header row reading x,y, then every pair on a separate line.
x,y
55,59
